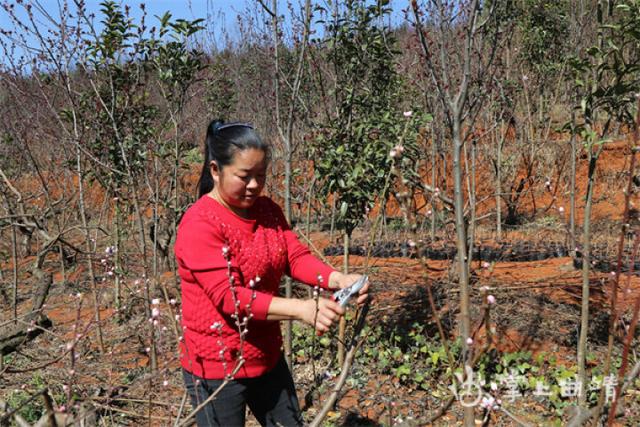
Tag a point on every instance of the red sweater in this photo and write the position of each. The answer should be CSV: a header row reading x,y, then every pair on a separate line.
x,y
212,242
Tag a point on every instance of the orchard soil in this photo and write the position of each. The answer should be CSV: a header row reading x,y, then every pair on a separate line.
x,y
537,310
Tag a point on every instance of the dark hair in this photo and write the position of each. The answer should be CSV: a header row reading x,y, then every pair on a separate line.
x,y
223,141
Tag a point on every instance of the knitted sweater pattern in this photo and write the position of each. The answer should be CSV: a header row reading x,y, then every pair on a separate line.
x,y
230,269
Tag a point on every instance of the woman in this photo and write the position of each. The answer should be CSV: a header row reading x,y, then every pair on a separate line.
x,y
232,247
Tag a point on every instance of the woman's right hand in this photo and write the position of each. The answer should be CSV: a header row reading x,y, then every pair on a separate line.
x,y
321,315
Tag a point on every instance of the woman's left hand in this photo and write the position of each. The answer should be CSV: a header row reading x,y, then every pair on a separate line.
x,y
339,280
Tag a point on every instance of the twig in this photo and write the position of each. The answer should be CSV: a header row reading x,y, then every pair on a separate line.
x,y
126,399
632,376
181,408
346,366
11,187
266,8
133,414
431,418
316,250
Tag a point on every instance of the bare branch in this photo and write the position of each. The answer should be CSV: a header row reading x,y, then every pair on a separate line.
x,y
346,366
266,8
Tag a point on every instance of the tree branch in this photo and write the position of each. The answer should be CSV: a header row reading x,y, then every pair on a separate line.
x,y
346,366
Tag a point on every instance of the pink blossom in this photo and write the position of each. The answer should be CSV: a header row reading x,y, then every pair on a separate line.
x,y
407,113
491,299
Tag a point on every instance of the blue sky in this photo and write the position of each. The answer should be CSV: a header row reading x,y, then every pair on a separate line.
x,y
220,15
187,9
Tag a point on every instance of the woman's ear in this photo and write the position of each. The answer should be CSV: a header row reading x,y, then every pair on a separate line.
x,y
215,171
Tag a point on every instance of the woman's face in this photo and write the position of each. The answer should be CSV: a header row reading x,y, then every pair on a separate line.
x,y
240,183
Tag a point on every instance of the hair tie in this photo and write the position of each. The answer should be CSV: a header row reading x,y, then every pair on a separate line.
x,y
219,125
216,125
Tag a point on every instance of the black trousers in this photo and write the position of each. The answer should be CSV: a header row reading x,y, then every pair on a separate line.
x,y
271,398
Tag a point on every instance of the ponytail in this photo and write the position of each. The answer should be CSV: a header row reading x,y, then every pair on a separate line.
x,y
205,183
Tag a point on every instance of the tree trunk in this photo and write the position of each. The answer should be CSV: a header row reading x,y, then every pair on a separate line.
x,y
333,219
90,249
145,265
499,183
116,255
461,242
14,254
572,190
586,264
308,217
471,230
434,153
343,322
288,324
63,267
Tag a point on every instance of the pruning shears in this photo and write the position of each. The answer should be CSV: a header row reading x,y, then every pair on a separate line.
x,y
343,296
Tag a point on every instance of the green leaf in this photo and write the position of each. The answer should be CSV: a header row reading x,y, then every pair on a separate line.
x,y
435,357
